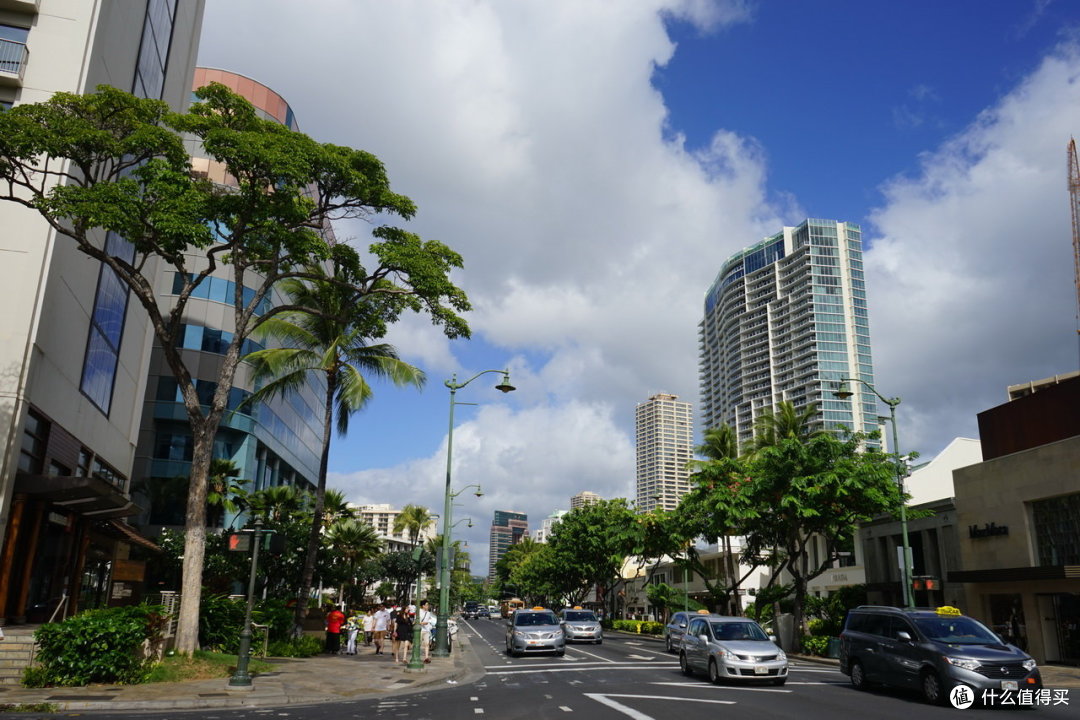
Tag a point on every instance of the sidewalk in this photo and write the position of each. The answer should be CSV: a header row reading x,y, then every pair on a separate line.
x,y
325,678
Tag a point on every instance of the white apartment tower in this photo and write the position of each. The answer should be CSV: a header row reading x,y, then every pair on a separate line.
x,y
583,498
786,320
664,434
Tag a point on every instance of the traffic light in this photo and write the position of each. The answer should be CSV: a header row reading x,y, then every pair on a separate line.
x,y
925,582
238,542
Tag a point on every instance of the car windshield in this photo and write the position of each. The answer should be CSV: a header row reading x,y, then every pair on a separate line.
x,y
525,619
738,631
573,615
957,631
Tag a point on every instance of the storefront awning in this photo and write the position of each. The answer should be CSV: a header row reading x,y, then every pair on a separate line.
x,y
88,496
1018,574
125,532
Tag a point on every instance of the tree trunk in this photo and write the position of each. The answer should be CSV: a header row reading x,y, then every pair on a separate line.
x,y
187,629
320,504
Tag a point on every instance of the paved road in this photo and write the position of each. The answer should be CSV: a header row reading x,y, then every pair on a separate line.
x,y
623,678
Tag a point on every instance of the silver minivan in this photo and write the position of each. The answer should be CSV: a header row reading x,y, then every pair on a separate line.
x,y
731,648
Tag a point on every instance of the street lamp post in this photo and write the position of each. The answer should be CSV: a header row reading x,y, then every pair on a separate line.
x,y
442,634
905,565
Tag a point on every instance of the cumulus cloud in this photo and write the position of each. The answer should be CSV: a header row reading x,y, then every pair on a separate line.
x,y
970,284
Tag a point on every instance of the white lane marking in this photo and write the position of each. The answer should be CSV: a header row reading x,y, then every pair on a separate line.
x,y
722,687
589,669
562,664
631,642
598,657
565,709
642,657
474,698
478,711
636,715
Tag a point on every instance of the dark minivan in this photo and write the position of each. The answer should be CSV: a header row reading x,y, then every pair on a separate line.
x,y
930,650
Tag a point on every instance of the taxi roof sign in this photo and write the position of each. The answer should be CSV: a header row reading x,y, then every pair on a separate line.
x,y
703,612
948,610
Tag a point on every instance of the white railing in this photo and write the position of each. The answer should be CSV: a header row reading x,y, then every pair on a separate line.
x,y
13,57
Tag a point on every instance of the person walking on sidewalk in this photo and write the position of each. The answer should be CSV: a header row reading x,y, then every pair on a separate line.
x,y
382,624
426,618
369,626
334,620
352,628
403,633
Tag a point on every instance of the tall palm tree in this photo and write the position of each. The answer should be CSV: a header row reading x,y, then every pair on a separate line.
x,y
721,443
222,490
336,508
414,519
326,334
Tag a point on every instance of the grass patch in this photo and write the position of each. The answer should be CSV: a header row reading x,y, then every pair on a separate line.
x,y
203,665
43,707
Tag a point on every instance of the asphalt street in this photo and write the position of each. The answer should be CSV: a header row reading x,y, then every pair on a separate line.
x,y
625,677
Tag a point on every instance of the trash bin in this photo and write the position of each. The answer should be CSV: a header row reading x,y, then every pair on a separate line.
x,y
833,649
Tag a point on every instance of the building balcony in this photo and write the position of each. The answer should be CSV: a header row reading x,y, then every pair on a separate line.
x,y
13,57
24,6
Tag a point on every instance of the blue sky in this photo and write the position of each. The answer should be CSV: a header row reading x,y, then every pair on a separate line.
x,y
595,162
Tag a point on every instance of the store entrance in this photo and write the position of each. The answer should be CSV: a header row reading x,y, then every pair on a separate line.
x,y
1060,617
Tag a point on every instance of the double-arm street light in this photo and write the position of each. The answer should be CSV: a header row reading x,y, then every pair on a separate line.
x,y
442,634
905,564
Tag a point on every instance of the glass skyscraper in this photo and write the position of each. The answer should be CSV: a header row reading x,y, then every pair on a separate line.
x,y
785,320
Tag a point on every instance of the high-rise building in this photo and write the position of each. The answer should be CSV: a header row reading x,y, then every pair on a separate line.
x,y
785,320
664,432
543,533
75,356
382,517
507,529
277,442
584,498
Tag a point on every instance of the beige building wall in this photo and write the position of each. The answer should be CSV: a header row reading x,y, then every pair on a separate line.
x,y
48,287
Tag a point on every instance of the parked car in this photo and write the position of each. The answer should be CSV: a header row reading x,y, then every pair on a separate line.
x,y
731,649
483,613
931,650
673,631
582,626
535,630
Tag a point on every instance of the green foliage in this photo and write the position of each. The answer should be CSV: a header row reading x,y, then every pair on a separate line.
x,y
35,676
827,613
221,619
815,644
301,647
201,665
97,646
41,707
641,627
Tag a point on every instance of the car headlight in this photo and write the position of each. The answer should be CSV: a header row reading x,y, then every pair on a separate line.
x,y
965,663
727,654
519,634
1029,664
781,655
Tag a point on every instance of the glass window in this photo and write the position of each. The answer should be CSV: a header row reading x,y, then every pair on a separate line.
x,y
1057,529
32,452
99,368
738,631
14,33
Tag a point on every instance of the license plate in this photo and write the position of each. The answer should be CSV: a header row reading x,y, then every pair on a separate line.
x,y
1010,685
761,670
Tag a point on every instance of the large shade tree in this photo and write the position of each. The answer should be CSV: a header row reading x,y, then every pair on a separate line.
x,y
110,162
326,333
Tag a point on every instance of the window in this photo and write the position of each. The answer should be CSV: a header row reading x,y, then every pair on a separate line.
x,y
106,328
1057,529
35,436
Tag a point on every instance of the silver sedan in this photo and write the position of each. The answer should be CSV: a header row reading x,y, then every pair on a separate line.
x,y
532,631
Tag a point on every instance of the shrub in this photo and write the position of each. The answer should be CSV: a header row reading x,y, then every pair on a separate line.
x,y
273,613
641,627
652,628
221,619
815,644
97,646
817,627
301,647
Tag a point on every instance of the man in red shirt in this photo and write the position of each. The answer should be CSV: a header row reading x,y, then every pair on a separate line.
x,y
334,620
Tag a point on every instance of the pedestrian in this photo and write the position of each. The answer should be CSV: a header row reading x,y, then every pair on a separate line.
x,y
334,620
426,618
369,626
395,615
352,628
403,635
382,624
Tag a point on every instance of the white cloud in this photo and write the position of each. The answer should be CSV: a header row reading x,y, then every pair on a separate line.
x,y
969,277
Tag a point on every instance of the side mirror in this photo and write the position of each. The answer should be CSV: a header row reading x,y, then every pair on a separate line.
x,y
772,638
903,636
682,625
704,638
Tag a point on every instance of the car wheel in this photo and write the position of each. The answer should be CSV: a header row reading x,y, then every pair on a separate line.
x,y
714,672
779,681
684,665
932,689
667,642
858,677
598,642
560,653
